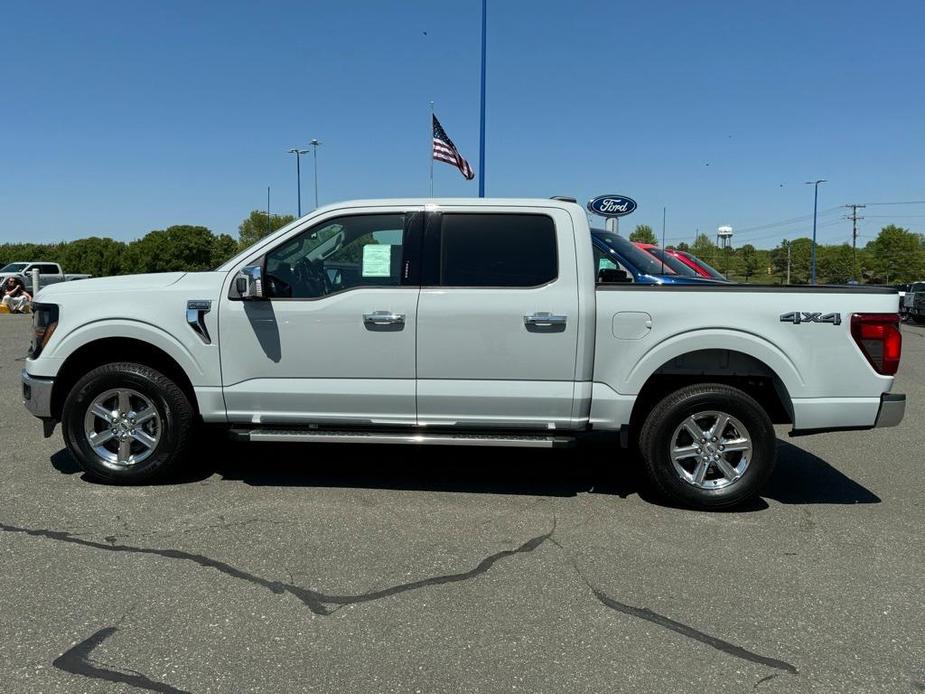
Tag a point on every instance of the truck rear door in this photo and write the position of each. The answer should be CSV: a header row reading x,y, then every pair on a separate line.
x,y
497,319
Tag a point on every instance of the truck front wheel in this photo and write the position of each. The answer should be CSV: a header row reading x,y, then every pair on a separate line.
x,y
127,423
708,446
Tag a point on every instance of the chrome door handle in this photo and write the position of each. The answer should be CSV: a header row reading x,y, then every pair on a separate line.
x,y
384,318
545,320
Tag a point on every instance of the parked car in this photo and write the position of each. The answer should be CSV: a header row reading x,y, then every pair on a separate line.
x,y
914,302
700,266
672,262
472,322
613,251
49,273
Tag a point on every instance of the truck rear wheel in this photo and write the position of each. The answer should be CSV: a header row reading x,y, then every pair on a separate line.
x,y
708,446
127,423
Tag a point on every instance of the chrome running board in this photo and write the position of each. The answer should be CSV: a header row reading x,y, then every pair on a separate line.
x,y
419,438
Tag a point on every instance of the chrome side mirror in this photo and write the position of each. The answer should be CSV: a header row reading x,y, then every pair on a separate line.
x,y
248,283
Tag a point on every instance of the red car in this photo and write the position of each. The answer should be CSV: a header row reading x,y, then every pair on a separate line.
x,y
683,263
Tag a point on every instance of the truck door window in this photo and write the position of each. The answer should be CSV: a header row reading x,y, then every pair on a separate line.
x,y
337,255
47,269
497,250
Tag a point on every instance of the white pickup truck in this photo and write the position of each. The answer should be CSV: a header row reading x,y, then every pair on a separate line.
x,y
49,273
465,322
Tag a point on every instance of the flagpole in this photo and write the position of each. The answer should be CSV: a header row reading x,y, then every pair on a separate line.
x,y
431,149
482,124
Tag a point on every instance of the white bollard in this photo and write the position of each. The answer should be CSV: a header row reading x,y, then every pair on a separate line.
x,y
35,281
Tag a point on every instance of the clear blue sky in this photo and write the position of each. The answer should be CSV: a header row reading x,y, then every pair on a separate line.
x,y
122,117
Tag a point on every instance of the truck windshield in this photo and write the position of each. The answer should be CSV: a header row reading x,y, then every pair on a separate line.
x,y
14,267
640,259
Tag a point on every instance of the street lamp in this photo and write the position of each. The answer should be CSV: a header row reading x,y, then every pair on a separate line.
x,y
812,260
298,174
314,144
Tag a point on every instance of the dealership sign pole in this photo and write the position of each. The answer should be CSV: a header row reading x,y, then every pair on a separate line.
x,y
612,207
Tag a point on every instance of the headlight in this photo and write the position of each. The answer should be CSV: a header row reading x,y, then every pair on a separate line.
x,y
44,322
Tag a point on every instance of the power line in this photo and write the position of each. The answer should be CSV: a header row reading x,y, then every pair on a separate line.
x,y
907,202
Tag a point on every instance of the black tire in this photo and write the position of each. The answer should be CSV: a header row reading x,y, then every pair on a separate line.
x,y
174,427
658,431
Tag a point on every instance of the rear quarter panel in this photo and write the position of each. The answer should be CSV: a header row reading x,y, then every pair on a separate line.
x,y
813,360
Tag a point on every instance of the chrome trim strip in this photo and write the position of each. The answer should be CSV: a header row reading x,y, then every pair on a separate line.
x,y
403,438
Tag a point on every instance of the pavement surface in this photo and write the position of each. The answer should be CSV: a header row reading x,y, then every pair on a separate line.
x,y
388,569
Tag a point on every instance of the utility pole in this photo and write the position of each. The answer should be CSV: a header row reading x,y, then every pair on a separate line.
x,y
788,262
854,236
812,261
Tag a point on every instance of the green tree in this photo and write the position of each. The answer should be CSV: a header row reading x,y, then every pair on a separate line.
x,y
223,248
704,248
749,260
257,225
835,264
799,260
643,234
96,256
896,255
182,248
683,247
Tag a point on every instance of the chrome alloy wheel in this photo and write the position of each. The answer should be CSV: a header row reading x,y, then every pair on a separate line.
x,y
122,427
711,449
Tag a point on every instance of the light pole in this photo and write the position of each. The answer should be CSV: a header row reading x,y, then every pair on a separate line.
x,y
314,143
298,174
812,260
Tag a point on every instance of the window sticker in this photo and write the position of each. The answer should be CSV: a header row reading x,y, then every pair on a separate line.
x,y
377,260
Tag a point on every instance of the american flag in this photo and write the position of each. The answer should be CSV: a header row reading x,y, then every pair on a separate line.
x,y
445,150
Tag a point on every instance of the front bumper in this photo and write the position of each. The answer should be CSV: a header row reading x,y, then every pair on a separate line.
x,y
36,394
892,409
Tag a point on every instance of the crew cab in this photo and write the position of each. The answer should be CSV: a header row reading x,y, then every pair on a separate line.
x,y
469,322
49,273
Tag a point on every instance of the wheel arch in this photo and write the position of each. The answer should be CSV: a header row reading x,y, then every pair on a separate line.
x,y
739,369
108,350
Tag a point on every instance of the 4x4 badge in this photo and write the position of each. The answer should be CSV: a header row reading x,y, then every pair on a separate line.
x,y
797,317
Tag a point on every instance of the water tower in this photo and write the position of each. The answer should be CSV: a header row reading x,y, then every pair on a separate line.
x,y
724,237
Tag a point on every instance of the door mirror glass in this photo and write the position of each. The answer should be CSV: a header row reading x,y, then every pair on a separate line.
x,y
248,283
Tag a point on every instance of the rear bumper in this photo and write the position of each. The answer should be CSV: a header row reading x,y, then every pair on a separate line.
x,y
36,394
892,409
839,414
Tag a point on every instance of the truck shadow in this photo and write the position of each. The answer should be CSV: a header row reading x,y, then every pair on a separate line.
x,y
799,478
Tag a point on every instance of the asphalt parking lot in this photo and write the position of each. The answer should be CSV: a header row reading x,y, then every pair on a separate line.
x,y
385,569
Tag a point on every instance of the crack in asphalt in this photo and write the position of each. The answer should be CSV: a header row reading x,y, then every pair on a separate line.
x,y
326,604
77,661
675,626
317,602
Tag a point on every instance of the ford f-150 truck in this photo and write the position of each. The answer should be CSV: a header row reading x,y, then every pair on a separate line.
x,y
464,322
49,273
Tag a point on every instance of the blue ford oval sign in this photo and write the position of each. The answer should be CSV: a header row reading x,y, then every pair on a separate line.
x,y
612,205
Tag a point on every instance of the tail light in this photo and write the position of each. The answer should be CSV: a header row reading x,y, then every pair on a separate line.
x,y
878,336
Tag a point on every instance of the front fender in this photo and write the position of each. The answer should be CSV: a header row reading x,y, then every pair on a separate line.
x,y
197,370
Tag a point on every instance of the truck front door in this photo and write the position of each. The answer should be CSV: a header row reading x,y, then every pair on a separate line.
x,y
497,319
333,341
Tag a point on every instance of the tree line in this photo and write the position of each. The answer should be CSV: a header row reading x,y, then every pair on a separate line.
x,y
182,247
896,256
